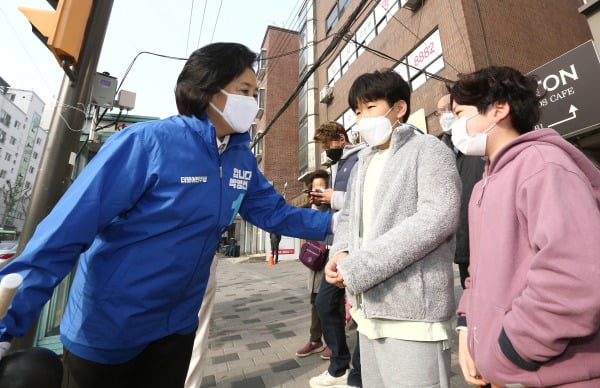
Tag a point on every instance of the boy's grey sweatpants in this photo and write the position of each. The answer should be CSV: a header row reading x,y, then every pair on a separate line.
x,y
389,362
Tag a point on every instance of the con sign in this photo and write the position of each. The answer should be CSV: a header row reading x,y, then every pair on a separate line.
x,y
570,86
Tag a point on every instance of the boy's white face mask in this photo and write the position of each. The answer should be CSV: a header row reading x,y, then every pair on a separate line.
x,y
375,130
473,145
239,111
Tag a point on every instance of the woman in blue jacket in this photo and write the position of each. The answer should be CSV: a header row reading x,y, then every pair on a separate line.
x,y
143,221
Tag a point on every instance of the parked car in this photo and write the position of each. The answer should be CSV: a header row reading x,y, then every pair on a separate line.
x,y
8,250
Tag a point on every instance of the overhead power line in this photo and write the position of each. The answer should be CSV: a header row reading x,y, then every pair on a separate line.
x,y
328,50
201,23
187,42
216,21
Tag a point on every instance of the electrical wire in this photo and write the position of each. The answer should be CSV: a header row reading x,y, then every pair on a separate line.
x,y
419,38
149,53
115,121
33,61
328,50
216,21
187,42
282,43
201,23
390,58
459,30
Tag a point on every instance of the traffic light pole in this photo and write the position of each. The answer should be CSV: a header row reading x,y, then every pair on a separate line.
x,y
54,175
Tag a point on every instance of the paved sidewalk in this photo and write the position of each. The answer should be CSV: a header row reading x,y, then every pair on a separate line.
x,y
261,317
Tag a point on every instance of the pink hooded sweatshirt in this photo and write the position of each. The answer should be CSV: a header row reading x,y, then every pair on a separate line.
x,y
532,303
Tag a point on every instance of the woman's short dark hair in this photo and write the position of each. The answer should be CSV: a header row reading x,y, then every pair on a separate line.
x,y
500,84
208,70
383,84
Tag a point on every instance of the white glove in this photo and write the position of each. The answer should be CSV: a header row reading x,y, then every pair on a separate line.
x,y
4,347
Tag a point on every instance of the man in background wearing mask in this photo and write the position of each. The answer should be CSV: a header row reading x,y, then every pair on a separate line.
x,y
343,155
470,169
393,244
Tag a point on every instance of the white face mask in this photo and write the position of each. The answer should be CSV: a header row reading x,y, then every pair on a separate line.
x,y
473,145
239,111
375,130
446,120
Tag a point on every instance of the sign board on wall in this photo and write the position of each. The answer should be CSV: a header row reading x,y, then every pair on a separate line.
x,y
571,88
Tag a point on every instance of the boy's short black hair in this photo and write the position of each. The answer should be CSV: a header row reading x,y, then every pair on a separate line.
x,y
383,84
208,70
501,84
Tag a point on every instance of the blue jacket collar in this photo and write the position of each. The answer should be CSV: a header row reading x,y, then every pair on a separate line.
x,y
206,129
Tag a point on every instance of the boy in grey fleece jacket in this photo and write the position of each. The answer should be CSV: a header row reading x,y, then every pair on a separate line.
x,y
394,246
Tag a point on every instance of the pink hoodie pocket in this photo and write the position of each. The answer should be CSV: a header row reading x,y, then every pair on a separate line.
x,y
491,363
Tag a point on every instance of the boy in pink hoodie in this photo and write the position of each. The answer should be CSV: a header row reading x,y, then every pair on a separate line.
x,y
530,314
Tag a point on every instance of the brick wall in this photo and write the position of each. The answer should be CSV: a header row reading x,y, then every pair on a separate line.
x,y
280,153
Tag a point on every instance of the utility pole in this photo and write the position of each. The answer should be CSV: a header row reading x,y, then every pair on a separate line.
x,y
54,175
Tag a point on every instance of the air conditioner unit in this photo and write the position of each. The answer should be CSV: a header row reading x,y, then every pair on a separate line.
x,y
413,5
326,95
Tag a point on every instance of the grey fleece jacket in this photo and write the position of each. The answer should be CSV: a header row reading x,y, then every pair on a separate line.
x,y
403,269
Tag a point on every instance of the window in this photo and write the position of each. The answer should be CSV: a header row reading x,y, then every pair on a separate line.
x,y
261,98
303,147
332,19
335,15
426,58
302,103
31,170
2,136
262,64
35,155
38,141
13,140
334,71
17,124
261,103
27,185
2,173
303,57
5,118
258,147
7,157
366,32
373,25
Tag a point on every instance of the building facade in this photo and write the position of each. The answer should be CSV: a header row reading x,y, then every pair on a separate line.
x,y
277,152
22,142
425,40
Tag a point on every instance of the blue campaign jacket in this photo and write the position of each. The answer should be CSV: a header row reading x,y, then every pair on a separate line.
x,y
144,219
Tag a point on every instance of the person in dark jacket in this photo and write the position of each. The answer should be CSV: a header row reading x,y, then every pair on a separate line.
x,y
330,300
275,240
142,223
470,169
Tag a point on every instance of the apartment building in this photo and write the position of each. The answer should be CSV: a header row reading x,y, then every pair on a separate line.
x,y
22,142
